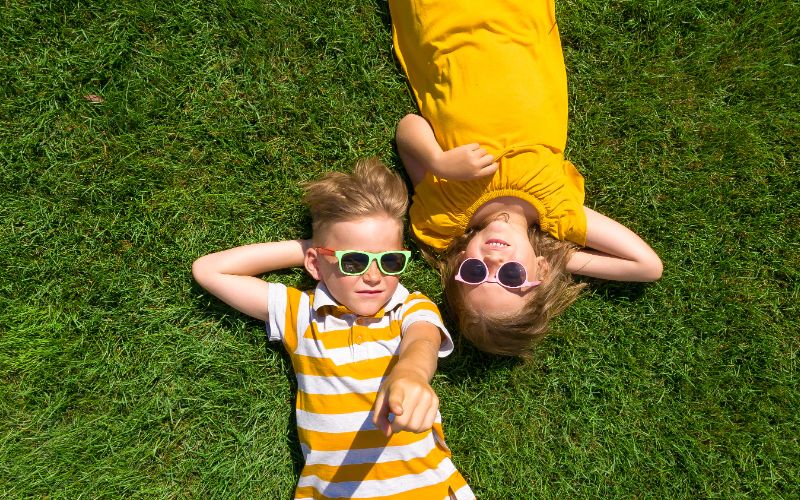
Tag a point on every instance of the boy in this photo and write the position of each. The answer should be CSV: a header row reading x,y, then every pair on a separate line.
x,y
363,348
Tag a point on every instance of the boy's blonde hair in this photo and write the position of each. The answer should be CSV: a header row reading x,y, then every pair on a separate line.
x,y
372,189
513,335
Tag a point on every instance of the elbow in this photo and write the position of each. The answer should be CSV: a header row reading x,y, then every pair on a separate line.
x,y
402,125
652,269
200,271
407,124
409,119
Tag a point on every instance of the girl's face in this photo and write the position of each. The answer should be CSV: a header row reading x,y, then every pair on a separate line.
x,y
497,243
367,293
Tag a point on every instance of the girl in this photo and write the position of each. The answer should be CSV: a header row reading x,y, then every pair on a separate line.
x,y
495,201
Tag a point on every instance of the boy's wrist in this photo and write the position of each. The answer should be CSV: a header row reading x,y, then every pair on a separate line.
x,y
410,370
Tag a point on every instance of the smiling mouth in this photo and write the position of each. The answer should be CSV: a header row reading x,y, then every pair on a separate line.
x,y
495,243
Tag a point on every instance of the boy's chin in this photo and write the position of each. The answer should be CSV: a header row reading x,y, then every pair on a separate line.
x,y
361,310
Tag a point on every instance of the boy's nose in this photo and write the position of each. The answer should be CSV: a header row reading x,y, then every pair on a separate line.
x,y
373,274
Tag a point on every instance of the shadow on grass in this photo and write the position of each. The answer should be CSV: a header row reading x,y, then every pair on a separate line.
x,y
382,8
230,319
467,362
614,290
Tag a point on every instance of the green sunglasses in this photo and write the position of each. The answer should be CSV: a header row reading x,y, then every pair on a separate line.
x,y
356,262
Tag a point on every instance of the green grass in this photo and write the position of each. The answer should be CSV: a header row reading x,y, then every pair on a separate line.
x,y
119,377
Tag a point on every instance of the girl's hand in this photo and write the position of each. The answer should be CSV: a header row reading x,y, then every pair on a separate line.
x,y
420,152
464,163
408,395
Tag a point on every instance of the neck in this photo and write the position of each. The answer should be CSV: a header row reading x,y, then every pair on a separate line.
x,y
519,211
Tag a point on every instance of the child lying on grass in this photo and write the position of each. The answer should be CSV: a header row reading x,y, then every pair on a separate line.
x,y
363,348
496,205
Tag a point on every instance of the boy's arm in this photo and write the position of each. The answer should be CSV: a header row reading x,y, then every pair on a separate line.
x,y
420,152
231,275
406,391
614,252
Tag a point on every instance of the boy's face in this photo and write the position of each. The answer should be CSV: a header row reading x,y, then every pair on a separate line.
x,y
366,294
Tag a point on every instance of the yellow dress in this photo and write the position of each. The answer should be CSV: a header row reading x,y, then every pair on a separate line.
x,y
490,72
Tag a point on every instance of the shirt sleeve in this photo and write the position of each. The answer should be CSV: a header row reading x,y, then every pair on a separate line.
x,y
418,307
277,303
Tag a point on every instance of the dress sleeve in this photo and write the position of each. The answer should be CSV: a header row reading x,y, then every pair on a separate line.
x,y
418,307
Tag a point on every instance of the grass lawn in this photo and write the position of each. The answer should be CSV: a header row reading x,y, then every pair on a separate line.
x,y
120,377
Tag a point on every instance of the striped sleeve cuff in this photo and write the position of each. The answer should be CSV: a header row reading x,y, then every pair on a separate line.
x,y
276,305
420,308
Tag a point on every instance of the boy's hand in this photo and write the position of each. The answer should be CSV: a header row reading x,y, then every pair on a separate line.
x,y
464,163
409,396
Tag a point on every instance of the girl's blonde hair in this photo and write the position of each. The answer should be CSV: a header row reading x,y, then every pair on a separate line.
x,y
372,189
517,334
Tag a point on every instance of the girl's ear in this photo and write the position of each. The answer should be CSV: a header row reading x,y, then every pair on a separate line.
x,y
542,268
311,263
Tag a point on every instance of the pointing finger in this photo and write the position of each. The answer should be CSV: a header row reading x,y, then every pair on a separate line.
x,y
380,414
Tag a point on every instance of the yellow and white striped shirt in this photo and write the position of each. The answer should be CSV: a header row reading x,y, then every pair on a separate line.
x,y
340,360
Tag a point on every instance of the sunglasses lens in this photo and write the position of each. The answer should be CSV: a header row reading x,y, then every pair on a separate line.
x,y
393,263
512,274
473,271
354,262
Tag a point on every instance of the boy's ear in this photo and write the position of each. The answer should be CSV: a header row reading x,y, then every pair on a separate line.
x,y
311,263
542,268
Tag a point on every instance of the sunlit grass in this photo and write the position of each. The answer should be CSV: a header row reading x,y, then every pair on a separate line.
x,y
122,378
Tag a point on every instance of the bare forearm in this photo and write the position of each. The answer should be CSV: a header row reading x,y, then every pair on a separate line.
x,y
615,252
416,140
420,152
419,351
253,260
232,275
595,264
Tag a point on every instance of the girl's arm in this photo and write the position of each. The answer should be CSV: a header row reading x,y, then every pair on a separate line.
x,y
231,275
406,391
614,252
420,152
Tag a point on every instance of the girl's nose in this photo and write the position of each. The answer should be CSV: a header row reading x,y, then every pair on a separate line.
x,y
494,260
